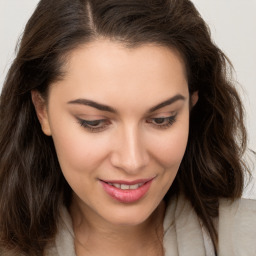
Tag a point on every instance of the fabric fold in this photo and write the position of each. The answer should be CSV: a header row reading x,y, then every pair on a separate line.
x,y
185,230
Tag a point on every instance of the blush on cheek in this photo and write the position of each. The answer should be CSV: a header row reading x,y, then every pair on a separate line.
x,y
172,150
79,153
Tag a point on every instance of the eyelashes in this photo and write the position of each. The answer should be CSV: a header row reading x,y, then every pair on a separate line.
x,y
94,125
99,125
162,122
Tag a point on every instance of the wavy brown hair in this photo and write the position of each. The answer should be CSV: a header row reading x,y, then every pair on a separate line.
x,y
32,187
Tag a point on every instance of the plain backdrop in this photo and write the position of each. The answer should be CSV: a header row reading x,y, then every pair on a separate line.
x,y
233,28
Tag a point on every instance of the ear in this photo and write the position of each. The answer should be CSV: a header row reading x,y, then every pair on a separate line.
x,y
41,111
194,98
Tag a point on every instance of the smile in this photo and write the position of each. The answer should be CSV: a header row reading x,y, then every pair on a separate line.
x,y
127,192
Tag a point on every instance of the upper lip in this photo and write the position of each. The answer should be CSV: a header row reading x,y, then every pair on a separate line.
x,y
126,182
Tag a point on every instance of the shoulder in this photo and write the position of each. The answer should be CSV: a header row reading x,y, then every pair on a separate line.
x,y
238,205
239,213
237,227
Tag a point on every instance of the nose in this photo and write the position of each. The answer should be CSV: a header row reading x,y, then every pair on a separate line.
x,y
130,151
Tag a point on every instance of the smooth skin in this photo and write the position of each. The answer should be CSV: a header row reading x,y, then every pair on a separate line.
x,y
108,122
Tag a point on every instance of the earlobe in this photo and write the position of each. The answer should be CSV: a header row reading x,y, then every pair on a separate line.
x,y
194,98
41,111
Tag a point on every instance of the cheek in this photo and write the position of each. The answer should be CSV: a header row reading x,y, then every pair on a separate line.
x,y
169,149
77,152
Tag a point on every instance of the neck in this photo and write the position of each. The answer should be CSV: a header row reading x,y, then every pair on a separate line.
x,y
92,233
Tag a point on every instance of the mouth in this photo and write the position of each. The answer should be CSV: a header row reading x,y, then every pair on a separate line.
x,y
126,186
127,191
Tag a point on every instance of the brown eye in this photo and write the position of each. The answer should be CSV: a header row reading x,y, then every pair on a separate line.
x,y
162,122
94,125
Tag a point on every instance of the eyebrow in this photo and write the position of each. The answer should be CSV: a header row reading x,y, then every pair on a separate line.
x,y
93,104
167,102
106,108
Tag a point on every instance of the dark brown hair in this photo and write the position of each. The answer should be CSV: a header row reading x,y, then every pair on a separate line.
x,y
32,187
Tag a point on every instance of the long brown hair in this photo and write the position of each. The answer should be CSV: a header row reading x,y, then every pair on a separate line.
x,y
32,187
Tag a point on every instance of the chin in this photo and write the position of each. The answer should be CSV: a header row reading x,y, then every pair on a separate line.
x,y
130,215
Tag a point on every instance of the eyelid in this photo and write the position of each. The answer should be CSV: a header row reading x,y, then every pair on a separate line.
x,y
88,124
100,124
167,121
163,114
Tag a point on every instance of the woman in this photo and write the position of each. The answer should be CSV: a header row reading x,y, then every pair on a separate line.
x,y
121,134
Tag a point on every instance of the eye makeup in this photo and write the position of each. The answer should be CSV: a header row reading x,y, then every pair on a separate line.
x,y
96,125
162,122
99,125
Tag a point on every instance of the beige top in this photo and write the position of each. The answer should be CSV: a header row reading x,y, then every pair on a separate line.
x,y
183,233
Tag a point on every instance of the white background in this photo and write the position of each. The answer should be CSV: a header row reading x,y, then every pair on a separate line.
x,y
233,27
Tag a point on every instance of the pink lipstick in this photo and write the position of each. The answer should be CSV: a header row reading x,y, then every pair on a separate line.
x,y
126,191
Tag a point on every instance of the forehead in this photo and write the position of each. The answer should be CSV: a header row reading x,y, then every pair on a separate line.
x,y
105,68
106,54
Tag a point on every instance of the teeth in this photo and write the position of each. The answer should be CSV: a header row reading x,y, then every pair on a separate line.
x,y
125,186
117,185
135,186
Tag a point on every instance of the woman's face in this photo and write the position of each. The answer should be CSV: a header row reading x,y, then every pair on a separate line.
x,y
119,121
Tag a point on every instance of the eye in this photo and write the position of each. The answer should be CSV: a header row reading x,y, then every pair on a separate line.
x,y
94,125
162,122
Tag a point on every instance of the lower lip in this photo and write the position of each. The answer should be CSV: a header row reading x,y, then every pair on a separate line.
x,y
127,195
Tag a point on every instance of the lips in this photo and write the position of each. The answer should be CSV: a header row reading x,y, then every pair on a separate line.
x,y
126,191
